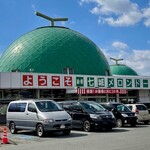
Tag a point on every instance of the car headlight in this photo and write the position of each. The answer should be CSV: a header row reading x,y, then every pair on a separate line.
x,y
124,115
49,120
69,119
94,116
135,115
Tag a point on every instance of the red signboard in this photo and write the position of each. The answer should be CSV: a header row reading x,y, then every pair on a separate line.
x,y
42,80
55,80
27,80
68,81
100,91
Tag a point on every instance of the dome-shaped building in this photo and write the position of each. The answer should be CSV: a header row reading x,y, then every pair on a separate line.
x,y
121,69
53,50
42,59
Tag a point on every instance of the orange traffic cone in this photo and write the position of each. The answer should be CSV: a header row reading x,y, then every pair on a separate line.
x,y
4,137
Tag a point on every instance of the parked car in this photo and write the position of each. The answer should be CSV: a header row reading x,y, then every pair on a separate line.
x,y
39,116
147,104
89,115
122,114
141,112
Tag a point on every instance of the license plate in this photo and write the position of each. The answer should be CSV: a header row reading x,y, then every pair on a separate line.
x,y
62,126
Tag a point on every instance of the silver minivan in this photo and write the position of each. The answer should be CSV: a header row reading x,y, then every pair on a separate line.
x,y
37,115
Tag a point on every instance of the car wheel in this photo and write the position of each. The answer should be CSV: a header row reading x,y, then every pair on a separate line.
x,y
12,128
119,123
66,132
86,126
40,130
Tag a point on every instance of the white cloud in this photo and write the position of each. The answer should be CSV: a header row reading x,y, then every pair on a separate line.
x,y
124,19
118,12
139,60
146,14
113,7
147,22
120,45
141,55
81,2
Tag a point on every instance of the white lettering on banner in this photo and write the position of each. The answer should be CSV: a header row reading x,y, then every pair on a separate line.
x,y
27,80
128,82
90,82
137,83
87,82
55,80
42,80
89,91
101,91
119,82
80,81
101,82
81,91
68,81
111,82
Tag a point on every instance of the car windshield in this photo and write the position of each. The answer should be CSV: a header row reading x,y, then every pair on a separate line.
x,y
107,107
92,107
122,108
48,106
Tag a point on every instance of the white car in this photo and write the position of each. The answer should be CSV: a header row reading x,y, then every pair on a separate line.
x,y
141,112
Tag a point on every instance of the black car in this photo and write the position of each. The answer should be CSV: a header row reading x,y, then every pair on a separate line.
x,y
89,115
122,113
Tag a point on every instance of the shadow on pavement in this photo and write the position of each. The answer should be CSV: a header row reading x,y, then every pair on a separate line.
x,y
30,135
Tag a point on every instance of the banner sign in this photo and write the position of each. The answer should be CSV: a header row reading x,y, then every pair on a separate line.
x,y
71,81
100,91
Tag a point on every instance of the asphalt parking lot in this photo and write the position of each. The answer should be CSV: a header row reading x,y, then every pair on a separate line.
x,y
83,140
30,137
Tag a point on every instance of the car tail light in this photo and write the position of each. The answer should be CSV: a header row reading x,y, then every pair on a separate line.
x,y
137,111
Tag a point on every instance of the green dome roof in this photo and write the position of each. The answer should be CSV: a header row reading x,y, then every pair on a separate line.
x,y
120,69
50,49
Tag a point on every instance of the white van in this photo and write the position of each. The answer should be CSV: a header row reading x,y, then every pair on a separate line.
x,y
37,115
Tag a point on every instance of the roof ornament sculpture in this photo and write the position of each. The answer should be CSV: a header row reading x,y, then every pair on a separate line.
x,y
116,60
49,18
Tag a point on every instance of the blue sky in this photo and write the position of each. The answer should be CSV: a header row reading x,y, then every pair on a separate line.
x,y
120,28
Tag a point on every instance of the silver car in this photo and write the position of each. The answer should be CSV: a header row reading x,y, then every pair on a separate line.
x,y
37,115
